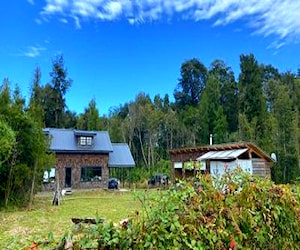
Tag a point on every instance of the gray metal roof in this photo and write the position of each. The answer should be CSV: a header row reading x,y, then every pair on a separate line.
x,y
121,156
222,154
66,140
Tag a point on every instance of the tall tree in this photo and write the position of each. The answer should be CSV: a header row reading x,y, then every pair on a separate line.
x,y
211,111
191,84
190,128
41,158
36,89
220,133
286,145
270,75
251,99
5,98
55,91
36,100
228,92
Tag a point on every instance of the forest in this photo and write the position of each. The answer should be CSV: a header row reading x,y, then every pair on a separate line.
x,y
260,106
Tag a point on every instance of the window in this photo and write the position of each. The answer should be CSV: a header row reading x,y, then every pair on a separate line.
x,y
85,141
49,175
93,173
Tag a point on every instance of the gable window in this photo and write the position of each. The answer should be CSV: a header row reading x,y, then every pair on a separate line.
x,y
91,173
85,141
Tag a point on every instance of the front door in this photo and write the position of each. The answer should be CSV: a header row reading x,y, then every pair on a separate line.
x,y
68,177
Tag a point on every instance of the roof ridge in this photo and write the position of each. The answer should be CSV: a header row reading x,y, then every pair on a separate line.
x,y
73,129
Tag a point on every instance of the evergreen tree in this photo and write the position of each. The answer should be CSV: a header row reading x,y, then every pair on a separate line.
x,y
220,133
286,145
70,119
90,119
251,99
228,92
252,102
191,84
55,92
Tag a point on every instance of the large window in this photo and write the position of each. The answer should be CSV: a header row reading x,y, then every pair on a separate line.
x,y
91,174
85,141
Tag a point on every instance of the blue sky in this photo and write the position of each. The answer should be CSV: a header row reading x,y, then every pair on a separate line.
x,y
114,49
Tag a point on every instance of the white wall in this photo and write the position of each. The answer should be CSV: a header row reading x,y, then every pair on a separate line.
x,y
217,168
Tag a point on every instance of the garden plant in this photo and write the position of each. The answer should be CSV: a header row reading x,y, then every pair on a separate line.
x,y
235,211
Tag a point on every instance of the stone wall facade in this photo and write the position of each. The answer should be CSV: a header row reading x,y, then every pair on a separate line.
x,y
76,162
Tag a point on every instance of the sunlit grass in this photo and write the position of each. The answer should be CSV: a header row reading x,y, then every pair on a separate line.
x,y
21,227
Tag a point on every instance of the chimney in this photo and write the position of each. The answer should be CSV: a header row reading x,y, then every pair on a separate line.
x,y
210,139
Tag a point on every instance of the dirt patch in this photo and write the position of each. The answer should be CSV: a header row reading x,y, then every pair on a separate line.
x,y
19,230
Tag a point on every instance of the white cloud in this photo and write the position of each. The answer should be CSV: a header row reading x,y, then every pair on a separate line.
x,y
33,51
276,45
56,6
63,20
31,1
77,22
266,17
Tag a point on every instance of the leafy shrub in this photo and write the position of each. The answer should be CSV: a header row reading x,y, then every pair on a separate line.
x,y
141,173
236,211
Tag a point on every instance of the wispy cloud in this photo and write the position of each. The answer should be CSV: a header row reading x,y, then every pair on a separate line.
x,y
31,1
265,17
33,51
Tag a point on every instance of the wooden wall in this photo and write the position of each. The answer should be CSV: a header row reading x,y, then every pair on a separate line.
x,y
261,168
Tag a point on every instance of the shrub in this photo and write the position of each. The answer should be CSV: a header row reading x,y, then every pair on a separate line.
x,y
236,211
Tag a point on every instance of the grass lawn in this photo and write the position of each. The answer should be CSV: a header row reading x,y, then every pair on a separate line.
x,y
21,227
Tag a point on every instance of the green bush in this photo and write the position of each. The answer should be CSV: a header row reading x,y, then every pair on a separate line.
x,y
236,211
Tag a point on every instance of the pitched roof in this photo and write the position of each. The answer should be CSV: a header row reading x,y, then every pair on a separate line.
x,y
65,140
221,147
120,156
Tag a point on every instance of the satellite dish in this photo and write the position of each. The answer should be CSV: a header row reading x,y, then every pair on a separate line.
x,y
274,157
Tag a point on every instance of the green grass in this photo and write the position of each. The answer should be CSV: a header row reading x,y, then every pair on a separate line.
x,y
21,227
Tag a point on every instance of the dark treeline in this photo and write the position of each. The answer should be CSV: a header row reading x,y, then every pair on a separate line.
x,y
261,106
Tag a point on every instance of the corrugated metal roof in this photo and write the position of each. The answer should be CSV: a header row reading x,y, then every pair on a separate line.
x,y
222,154
65,140
121,156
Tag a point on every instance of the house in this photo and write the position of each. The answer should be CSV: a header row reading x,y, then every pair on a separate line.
x,y
83,158
213,159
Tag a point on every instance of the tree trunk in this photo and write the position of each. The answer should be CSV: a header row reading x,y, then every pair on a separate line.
x,y
32,186
9,184
142,148
285,167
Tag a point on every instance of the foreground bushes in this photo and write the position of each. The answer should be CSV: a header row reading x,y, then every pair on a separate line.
x,y
237,212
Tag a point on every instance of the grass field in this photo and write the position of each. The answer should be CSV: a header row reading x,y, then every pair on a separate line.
x,y
19,228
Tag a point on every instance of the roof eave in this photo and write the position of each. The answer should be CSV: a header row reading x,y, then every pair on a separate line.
x,y
81,151
237,145
121,165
